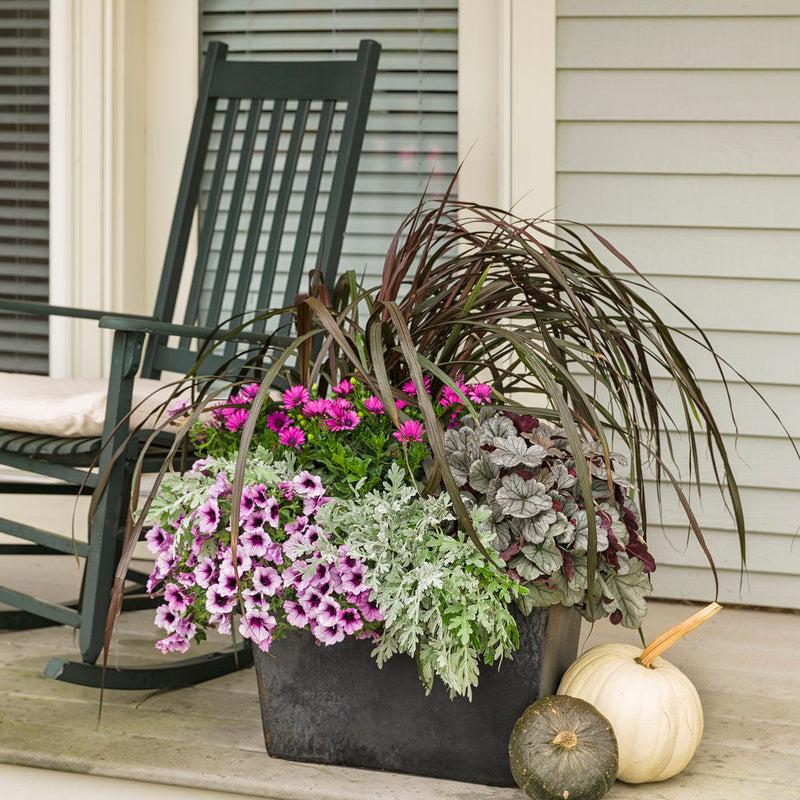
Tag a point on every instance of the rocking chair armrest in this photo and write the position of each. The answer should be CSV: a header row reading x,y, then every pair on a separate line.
x,y
46,310
147,325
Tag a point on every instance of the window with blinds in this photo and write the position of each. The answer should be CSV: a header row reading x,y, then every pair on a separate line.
x,y
24,170
411,138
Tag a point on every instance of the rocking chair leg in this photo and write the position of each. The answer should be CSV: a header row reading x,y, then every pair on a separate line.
x,y
182,673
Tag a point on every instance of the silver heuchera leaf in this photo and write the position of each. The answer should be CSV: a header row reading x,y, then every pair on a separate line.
x,y
582,533
520,498
540,595
515,451
482,472
459,463
629,591
502,533
498,425
561,476
545,556
524,567
459,439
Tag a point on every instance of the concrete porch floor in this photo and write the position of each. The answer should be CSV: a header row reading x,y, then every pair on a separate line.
x,y
207,738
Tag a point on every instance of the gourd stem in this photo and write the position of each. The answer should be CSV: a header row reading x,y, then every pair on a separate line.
x,y
668,638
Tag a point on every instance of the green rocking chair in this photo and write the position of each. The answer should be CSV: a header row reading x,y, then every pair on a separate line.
x,y
270,166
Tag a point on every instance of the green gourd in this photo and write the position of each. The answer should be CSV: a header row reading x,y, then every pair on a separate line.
x,y
563,748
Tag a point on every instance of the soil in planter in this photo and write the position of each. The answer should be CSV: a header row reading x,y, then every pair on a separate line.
x,y
332,705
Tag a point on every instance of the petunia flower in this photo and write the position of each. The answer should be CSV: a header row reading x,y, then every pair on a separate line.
x,y
254,542
158,540
166,618
208,516
258,627
173,643
410,431
295,615
177,599
217,602
351,621
328,635
329,612
267,580
307,485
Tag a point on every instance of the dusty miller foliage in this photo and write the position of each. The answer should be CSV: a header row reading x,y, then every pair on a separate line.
x,y
444,604
518,473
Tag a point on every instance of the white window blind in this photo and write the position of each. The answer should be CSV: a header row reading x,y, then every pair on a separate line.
x,y
24,170
411,137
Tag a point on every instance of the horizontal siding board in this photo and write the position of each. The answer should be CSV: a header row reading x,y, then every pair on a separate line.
x,y
769,510
673,8
731,304
679,43
697,583
713,95
774,553
702,148
719,201
722,252
752,415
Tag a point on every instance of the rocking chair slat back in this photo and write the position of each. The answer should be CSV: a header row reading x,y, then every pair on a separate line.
x,y
270,169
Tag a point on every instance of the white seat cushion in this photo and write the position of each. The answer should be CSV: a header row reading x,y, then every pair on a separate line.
x,y
69,406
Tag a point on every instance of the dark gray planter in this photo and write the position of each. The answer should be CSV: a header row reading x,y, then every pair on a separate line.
x,y
332,705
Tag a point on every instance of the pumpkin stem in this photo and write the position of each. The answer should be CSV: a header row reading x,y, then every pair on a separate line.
x,y
668,638
567,739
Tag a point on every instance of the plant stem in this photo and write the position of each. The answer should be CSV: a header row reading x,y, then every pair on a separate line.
x,y
668,638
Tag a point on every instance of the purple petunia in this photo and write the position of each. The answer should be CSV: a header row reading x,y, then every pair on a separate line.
x,y
158,540
254,541
217,602
267,580
208,516
307,485
177,599
174,643
258,627
295,615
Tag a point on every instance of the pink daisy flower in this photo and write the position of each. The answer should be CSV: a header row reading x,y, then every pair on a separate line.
x,y
316,408
278,421
343,388
292,436
479,393
410,431
295,396
374,405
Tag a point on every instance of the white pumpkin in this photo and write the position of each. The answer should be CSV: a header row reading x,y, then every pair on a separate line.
x,y
652,706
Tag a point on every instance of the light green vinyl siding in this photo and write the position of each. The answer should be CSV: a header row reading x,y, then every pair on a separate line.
x,y
678,137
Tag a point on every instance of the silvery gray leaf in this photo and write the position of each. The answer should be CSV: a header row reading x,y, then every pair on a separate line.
x,y
520,498
459,463
459,439
525,568
514,451
545,556
482,472
498,425
561,475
